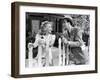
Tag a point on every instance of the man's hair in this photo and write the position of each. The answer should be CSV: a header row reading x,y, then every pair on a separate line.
x,y
68,20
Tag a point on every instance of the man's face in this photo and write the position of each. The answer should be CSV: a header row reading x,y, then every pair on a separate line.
x,y
66,25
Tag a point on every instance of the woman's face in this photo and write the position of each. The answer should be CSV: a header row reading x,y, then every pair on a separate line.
x,y
48,28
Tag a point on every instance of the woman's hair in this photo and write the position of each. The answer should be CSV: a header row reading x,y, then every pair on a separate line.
x,y
43,26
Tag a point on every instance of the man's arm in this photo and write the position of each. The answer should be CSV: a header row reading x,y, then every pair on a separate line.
x,y
78,40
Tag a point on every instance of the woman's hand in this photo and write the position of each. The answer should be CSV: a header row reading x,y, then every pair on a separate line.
x,y
41,42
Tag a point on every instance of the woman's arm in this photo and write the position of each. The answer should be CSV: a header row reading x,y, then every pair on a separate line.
x,y
52,40
35,44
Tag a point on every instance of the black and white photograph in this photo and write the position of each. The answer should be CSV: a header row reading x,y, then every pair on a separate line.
x,y
57,39
51,39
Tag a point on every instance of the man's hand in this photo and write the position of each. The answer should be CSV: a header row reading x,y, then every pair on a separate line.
x,y
65,40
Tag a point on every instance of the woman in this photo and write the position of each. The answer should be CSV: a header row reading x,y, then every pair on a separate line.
x,y
44,40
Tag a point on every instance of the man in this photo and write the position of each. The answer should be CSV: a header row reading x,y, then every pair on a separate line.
x,y
73,40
